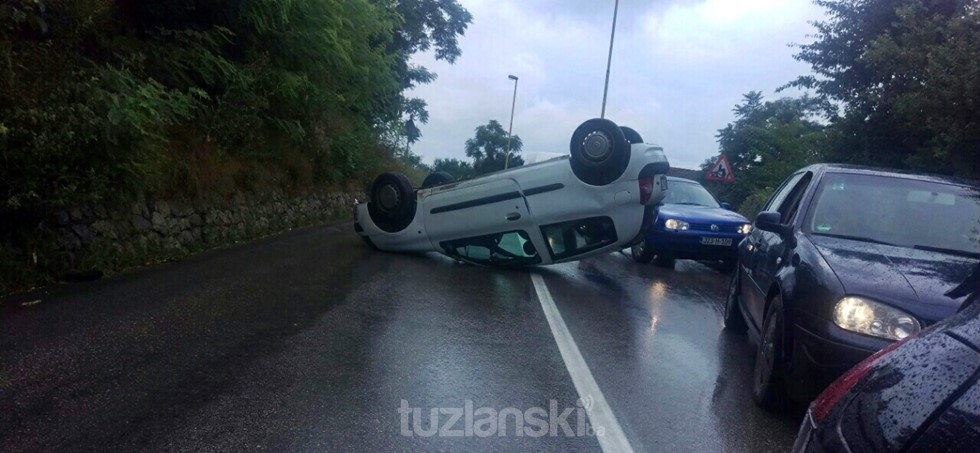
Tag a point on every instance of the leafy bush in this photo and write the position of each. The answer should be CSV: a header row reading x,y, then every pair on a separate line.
x,y
75,131
753,204
102,99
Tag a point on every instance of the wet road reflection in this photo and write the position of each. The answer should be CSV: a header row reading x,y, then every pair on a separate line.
x,y
654,340
310,341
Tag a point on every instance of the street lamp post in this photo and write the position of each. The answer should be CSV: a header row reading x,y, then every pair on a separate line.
x,y
612,37
511,127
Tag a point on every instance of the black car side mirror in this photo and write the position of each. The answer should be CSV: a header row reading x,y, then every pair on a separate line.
x,y
771,221
726,205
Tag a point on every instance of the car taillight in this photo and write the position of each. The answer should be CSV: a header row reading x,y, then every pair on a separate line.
x,y
829,397
646,189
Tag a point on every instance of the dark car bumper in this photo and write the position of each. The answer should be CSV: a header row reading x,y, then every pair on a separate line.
x,y
818,359
805,436
819,438
687,245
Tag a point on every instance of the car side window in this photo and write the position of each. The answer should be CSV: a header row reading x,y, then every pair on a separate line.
x,y
513,248
782,192
567,239
791,204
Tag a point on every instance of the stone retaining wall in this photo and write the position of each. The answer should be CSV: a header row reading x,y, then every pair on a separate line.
x,y
103,239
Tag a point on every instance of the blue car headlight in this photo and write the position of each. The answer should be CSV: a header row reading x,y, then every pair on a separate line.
x,y
674,224
745,228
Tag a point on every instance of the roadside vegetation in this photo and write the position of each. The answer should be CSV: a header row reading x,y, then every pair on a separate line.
x,y
112,99
894,84
108,103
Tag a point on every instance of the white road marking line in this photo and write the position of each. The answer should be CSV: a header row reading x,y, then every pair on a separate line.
x,y
613,439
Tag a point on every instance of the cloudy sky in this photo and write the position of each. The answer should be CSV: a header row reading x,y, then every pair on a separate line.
x,y
679,67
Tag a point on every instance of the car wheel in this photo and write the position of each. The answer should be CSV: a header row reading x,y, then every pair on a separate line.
x,y
392,205
768,389
733,313
437,179
641,253
600,152
665,261
631,135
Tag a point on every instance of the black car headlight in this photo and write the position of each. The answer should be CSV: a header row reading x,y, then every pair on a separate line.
x,y
869,317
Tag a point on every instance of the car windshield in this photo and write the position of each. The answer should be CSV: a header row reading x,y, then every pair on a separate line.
x,y
689,193
898,211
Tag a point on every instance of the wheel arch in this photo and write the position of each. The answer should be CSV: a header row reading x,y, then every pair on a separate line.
x,y
778,289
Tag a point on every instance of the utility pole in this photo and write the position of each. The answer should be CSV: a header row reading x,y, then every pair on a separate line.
x,y
511,127
612,37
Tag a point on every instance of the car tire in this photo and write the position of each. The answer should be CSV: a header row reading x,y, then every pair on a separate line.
x,y
600,152
631,135
734,320
392,206
768,383
437,179
641,253
665,261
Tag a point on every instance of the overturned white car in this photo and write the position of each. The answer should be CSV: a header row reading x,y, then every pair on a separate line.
x,y
594,201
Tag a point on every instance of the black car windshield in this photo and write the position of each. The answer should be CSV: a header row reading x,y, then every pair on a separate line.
x,y
690,193
898,211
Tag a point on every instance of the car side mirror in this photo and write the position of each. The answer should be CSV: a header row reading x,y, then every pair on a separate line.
x,y
771,221
726,205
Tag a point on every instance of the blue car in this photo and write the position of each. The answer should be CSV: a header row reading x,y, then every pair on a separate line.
x,y
692,225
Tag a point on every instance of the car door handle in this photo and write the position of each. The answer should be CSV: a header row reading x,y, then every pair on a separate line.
x,y
513,216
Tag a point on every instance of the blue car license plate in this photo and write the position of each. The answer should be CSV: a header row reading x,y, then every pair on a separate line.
x,y
716,241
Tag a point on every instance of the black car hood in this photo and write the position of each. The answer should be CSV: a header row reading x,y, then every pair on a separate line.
x,y
909,279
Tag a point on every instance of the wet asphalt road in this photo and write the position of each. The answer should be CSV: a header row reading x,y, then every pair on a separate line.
x,y
309,341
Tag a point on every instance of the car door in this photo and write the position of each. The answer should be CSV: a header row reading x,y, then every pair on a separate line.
x,y
766,249
491,207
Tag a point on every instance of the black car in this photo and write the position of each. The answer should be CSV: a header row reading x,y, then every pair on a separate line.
x,y
916,395
842,262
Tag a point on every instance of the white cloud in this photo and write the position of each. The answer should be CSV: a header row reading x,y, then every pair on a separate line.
x,y
678,69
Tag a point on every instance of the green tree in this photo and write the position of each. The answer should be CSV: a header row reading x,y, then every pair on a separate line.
x,y
767,141
424,25
460,169
489,146
904,78
154,95
103,98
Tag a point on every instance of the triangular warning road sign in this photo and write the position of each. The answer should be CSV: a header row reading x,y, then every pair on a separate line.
x,y
720,171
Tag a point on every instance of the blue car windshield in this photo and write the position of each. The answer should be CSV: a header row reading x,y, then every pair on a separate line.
x,y
689,193
897,211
